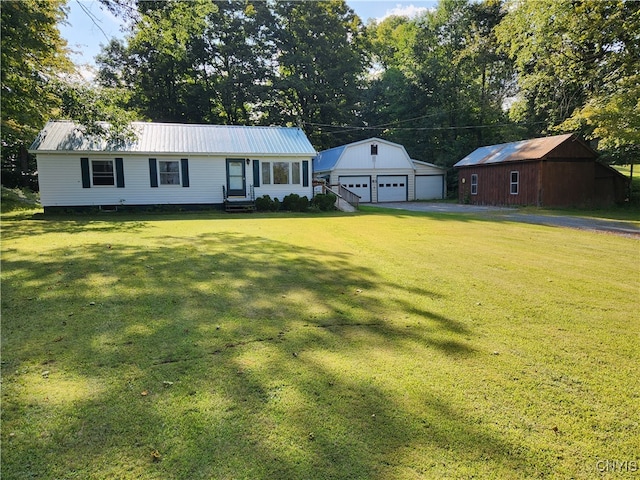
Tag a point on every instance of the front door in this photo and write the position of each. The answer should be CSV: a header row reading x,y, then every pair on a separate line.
x,y
236,181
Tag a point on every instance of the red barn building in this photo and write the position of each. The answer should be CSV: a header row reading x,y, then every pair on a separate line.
x,y
553,171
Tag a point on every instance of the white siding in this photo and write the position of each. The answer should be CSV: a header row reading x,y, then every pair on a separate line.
x,y
280,191
422,168
60,179
358,156
391,159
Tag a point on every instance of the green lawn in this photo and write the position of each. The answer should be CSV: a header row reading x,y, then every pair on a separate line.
x,y
381,345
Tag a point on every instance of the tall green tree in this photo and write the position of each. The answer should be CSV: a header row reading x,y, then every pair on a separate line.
x,y
443,82
578,67
33,56
321,61
39,83
154,62
195,61
234,61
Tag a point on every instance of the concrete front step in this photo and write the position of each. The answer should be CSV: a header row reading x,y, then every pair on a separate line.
x,y
344,206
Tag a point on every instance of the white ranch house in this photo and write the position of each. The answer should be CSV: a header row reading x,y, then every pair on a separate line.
x,y
171,164
380,171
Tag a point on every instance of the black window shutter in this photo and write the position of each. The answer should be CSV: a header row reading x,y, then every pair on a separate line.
x,y
305,173
256,173
86,176
119,173
184,165
153,172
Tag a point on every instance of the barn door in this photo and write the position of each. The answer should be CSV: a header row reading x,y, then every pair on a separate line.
x,y
236,180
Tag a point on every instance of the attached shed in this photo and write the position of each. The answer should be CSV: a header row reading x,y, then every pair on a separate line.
x,y
380,171
553,171
171,164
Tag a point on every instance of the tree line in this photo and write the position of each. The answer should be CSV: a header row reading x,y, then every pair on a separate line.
x,y
459,76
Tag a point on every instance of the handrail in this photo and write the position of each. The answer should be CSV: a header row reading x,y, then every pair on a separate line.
x,y
344,193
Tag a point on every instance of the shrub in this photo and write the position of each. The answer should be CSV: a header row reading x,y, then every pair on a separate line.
x,y
276,205
264,203
295,203
324,201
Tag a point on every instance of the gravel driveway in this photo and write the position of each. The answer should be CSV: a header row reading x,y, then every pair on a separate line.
x,y
618,227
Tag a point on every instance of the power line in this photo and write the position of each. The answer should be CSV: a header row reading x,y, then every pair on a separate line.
x,y
351,128
383,125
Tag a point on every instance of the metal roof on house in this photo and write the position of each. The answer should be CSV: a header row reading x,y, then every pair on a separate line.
x,y
61,136
534,149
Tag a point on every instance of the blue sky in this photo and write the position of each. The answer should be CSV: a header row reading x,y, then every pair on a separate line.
x,y
85,36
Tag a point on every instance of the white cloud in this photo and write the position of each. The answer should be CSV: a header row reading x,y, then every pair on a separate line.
x,y
399,10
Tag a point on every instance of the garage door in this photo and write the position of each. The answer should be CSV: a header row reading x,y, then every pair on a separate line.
x,y
361,186
392,188
429,187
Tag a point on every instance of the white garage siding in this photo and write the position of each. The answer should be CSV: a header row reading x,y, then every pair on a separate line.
x,y
360,185
391,171
429,187
392,188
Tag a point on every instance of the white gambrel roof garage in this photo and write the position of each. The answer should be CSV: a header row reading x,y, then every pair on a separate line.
x,y
380,171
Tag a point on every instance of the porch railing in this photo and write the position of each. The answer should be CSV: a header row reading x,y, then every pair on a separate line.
x,y
343,192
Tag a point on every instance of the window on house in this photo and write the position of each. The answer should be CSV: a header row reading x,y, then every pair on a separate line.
x,y
169,173
102,172
266,173
295,173
280,173
374,149
474,184
515,181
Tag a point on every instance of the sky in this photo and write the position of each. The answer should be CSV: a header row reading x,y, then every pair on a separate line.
x,y
85,36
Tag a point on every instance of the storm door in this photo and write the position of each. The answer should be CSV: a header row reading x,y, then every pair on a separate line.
x,y
236,180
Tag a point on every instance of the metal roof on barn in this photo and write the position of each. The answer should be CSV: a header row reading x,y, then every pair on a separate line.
x,y
534,149
65,136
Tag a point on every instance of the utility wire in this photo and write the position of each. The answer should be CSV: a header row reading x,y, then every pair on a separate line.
x,y
351,128
383,125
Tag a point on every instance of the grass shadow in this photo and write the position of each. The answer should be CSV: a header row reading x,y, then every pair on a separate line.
x,y
229,355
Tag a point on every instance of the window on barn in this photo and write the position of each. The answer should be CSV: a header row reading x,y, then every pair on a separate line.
x,y
266,173
280,173
515,181
102,172
169,173
474,184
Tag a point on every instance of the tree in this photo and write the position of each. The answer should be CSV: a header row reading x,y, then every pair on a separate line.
x,y
578,68
443,82
321,61
40,83
195,61
33,56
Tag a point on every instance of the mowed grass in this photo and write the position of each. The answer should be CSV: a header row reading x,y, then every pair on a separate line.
x,y
383,345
